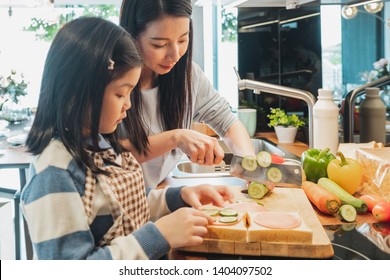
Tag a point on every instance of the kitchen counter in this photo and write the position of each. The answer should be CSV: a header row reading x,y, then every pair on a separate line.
x,y
361,240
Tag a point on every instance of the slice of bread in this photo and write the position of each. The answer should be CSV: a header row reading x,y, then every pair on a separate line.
x,y
260,233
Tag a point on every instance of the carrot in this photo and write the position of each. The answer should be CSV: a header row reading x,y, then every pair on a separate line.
x,y
324,200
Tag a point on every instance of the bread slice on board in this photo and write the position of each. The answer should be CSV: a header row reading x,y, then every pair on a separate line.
x,y
259,233
233,232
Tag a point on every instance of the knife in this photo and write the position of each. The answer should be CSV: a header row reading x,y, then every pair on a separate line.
x,y
290,171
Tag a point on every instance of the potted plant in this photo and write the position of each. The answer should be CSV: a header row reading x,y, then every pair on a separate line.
x,y
286,126
12,88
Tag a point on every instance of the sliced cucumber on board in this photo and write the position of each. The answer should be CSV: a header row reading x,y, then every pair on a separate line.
x,y
228,219
228,212
257,190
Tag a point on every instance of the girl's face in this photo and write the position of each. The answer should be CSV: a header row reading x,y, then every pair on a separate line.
x,y
116,100
164,42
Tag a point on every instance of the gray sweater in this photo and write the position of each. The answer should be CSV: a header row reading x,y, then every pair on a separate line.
x,y
208,106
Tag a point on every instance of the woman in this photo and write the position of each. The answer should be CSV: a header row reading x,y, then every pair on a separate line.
x,y
86,197
173,92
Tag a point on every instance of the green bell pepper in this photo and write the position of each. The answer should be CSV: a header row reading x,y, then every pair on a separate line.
x,y
315,163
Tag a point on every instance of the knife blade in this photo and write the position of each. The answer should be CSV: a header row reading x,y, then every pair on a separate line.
x,y
291,172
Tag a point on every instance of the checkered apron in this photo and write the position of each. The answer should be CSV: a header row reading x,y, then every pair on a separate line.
x,y
125,190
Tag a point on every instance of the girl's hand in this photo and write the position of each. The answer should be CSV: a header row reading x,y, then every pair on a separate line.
x,y
196,196
200,148
184,227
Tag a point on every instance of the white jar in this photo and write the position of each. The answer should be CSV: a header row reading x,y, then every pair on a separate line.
x,y
325,122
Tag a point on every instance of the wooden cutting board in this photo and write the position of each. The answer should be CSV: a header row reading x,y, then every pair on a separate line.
x,y
281,199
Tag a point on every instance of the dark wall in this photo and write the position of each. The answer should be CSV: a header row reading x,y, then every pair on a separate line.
x,y
287,54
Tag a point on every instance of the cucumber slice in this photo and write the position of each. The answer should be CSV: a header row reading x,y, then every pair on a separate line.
x,y
228,212
211,212
228,219
264,159
348,213
274,174
249,163
257,190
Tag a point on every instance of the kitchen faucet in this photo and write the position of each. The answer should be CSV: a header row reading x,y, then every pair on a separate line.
x,y
304,95
350,102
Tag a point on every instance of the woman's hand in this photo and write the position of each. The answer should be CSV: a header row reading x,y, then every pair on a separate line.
x,y
196,196
184,227
200,148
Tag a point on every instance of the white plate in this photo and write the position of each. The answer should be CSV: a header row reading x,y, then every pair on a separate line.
x,y
17,139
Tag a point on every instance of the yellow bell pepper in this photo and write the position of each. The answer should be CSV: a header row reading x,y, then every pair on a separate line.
x,y
346,172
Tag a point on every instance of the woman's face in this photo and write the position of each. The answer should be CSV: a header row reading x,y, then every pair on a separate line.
x,y
164,42
116,100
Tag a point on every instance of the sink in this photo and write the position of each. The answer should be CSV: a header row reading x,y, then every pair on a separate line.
x,y
188,169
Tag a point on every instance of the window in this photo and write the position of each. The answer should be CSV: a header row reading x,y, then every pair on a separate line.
x,y
27,32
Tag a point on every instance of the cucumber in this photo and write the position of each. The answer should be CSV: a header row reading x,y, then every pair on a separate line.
x,y
228,212
274,174
249,163
228,219
264,159
347,213
345,197
211,212
257,190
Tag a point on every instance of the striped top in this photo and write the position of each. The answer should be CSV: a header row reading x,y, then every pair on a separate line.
x,y
52,204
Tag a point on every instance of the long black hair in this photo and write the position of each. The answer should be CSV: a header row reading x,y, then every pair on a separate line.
x,y
74,79
175,96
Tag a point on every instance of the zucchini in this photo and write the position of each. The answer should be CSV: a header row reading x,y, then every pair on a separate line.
x,y
211,212
257,190
249,163
264,159
274,174
347,213
228,219
228,212
345,197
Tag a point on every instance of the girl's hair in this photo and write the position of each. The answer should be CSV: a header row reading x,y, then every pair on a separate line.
x,y
175,97
74,79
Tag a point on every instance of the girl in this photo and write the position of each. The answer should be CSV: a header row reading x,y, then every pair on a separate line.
x,y
86,197
173,92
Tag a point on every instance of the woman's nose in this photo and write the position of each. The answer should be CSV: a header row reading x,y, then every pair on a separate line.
x,y
174,53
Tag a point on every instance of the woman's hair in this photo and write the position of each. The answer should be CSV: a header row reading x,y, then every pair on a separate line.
x,y
175,97
74,79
